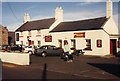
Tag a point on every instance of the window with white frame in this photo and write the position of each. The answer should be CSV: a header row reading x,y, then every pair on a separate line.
x,y
99,43
88,44
39,43
73,43
60,43
17,36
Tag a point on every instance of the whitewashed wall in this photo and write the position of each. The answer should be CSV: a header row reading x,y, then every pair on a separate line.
x,y
110,27
32,38
94,35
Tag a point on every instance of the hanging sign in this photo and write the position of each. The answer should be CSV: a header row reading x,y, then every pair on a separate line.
x,y
77,35
48,38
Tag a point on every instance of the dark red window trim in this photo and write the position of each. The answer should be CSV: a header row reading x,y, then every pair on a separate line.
x,y
99,43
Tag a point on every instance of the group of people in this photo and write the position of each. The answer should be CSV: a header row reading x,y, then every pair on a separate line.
x,y
67,51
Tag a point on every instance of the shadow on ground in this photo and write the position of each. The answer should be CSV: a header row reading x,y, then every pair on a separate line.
x,y
44,74
110,68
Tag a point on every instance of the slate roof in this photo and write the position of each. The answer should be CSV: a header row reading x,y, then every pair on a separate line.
x,y
89,24
37,25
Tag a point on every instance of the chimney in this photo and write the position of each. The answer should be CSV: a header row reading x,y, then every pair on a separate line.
x,y
109,9
59,14
26,17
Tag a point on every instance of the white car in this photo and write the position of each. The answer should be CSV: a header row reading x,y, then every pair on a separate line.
x,y
29,49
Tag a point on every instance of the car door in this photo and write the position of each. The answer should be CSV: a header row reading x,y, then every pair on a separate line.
x,y
55,51
49,50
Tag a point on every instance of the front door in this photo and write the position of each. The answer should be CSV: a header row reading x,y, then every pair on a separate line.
x,y
113,46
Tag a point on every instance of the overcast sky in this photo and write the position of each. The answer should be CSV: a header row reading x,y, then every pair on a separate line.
x,y
13,10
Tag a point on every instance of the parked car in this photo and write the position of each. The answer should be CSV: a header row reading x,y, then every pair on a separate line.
x,y
5,47
48,50
16,48
77,51
12,48
29,49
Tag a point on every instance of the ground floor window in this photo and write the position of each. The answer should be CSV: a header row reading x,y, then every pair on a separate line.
x,y
99,43
118,44
60,43
21,42
39,43
73,43
17,36
88,44
30,42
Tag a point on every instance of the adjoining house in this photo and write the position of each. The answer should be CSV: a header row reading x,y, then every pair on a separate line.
x,y
89,35
34,32
3,35
97,36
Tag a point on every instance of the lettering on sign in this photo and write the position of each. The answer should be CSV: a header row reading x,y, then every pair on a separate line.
x,y
79,34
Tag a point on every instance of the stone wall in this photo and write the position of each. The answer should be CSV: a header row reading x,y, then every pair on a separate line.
x,y
3,36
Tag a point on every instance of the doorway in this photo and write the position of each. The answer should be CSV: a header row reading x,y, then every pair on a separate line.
x,y
60,43
113,46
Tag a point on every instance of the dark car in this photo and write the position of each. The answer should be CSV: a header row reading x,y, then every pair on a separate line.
x,y
16,48
11,48
48,50
5,47
77,51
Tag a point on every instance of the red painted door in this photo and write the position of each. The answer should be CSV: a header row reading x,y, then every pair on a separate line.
x,y
111,50
113,46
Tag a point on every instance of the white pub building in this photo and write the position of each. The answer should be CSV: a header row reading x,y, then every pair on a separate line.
x,y
97,36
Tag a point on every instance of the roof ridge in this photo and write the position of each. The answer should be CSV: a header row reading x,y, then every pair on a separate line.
x,y
41,19
88,24
84,19
38,24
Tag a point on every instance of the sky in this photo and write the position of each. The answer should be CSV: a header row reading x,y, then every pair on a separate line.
x,y
12,11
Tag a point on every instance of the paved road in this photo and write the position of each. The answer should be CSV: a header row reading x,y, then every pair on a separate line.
x,y
83,67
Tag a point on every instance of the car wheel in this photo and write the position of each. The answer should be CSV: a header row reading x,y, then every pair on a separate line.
x,y
43,54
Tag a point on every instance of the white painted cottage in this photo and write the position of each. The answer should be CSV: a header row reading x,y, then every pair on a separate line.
x,y
97,36
35,32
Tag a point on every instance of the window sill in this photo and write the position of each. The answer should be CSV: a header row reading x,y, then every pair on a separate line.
x,y
87,49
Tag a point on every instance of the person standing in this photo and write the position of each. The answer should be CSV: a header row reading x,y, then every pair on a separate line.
x,y
67,51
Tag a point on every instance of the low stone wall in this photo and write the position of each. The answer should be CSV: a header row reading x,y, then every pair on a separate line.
x,y
15,58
